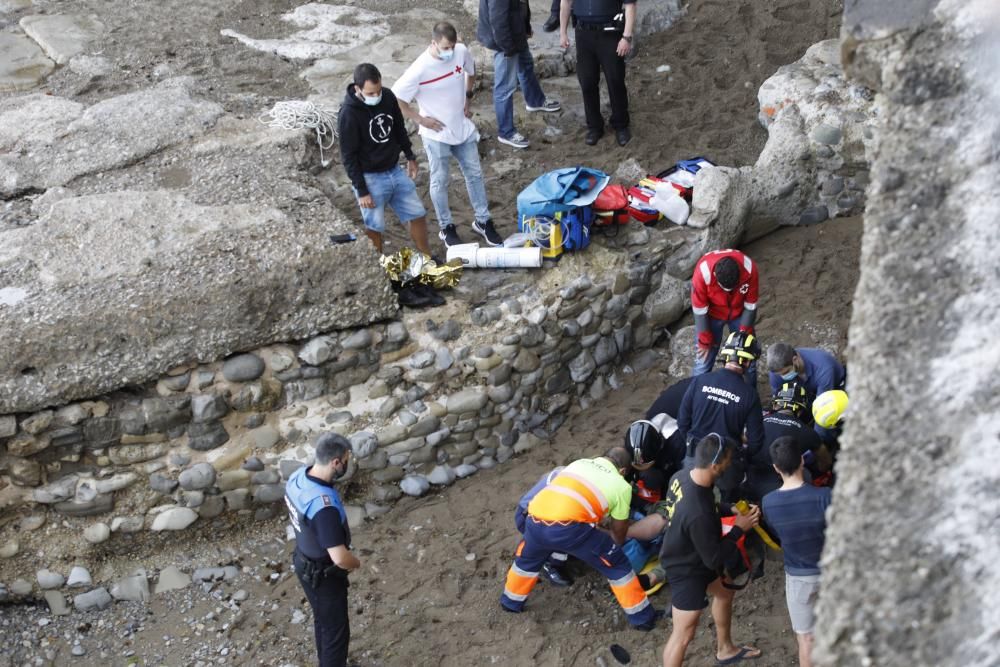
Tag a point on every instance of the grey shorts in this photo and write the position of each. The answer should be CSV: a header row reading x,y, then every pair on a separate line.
x,y
800,594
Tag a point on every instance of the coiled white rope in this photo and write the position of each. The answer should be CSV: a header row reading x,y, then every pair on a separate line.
x,y
297,115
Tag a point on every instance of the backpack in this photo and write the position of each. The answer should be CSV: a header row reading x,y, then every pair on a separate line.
x,y
560,201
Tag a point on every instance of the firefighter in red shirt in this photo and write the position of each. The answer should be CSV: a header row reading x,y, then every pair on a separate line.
x,y
724,293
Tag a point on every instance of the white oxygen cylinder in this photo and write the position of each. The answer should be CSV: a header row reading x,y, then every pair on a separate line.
x,y
667,201
474,257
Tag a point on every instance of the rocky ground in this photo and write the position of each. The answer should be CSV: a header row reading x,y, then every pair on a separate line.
x,y
433,566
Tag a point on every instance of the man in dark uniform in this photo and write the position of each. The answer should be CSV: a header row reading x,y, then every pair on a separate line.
x,y
789,419
721,402
323,555
604,30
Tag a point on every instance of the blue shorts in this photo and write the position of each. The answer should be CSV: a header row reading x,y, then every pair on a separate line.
x,y
395,188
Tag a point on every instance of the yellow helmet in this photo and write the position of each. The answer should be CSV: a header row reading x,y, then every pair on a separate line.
x,y
829,408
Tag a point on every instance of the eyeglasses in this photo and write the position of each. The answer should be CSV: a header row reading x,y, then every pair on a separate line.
x,y
722,448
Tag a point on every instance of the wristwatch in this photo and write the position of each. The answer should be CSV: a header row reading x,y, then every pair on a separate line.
x,y
627,38
469,94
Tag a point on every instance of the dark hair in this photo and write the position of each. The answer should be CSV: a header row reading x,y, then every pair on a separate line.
x,y
366,72
621,457
727,272
786,454
446,30
330,446
779,356
707,450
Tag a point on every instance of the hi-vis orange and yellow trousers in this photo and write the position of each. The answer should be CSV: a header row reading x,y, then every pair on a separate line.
x,y
584,541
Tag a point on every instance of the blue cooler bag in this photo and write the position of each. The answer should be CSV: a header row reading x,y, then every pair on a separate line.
x,y
563,195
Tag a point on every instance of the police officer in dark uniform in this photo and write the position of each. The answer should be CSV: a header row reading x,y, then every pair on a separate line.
x,y
604,30
721,402
323,555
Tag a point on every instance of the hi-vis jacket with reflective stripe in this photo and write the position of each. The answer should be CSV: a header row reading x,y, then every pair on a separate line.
x,y
707,298
586,491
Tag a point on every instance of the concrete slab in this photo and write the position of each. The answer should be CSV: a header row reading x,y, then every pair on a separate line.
x,y
62,36
392,54
11,6
123,286
327,31
47,141
22,63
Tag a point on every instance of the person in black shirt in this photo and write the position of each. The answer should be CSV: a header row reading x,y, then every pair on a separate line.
x,y
323,555
791,407
372,133
694,552
721,402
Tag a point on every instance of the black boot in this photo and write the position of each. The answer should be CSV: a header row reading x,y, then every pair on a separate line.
x,y
551,24
430,294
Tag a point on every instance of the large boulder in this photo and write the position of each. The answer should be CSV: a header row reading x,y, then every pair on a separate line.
x,y
47,141
909,566
22,63
820,130
110,290
720,208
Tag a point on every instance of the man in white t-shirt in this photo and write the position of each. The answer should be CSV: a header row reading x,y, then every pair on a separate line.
x,y
440,81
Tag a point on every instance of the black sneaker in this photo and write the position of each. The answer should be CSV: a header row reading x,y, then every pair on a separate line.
x,y
410,297
551,24
450,236
488,232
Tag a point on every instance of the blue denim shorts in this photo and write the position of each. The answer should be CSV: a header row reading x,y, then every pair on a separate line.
x,y
393,188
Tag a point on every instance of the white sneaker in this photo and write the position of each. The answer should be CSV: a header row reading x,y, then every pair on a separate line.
x,y
516,140
548,106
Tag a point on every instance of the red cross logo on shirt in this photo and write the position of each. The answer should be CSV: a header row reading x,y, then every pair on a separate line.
x,y
458,69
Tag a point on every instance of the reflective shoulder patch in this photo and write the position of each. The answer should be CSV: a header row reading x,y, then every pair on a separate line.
x,y
326,501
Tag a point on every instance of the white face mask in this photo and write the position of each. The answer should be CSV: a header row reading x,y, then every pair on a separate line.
x,y
372,101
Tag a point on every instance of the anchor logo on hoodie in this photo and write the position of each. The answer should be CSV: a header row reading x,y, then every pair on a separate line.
x,y
380,128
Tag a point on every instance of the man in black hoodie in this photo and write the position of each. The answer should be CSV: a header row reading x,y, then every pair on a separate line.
x,y
372,134
504,27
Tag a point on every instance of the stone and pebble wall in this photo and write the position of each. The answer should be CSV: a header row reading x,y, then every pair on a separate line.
x,y
423,401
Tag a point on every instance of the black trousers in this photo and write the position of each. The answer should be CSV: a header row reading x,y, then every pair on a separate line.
x,y
332,627
596,52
